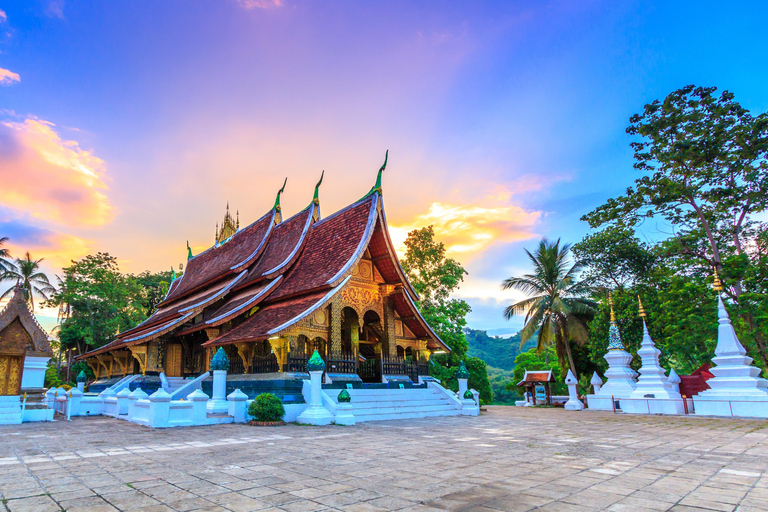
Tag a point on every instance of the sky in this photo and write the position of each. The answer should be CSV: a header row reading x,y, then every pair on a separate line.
x,y
126,127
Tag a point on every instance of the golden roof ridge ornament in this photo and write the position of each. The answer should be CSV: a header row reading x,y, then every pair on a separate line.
x,y
642,310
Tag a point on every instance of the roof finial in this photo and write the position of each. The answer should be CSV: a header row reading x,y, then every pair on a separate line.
x,y
610,302
717,285
189,252
642,310
216,234
173,274
316,198
238,219
377,187
277,199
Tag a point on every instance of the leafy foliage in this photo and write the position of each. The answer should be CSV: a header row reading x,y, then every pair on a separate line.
x,y
26,272
96,301
496,351
534,359
266,407
435,278
556,307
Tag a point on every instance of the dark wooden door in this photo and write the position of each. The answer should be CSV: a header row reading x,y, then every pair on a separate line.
x,y
173,360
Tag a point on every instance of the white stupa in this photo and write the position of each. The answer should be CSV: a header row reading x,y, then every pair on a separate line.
x,y
654,393
736,388
621,378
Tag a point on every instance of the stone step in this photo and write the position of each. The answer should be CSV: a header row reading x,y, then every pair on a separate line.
x,y
403,409
395,403
374,393
406,415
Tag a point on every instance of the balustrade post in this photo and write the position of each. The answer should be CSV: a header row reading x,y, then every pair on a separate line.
x,y
315,413
219,365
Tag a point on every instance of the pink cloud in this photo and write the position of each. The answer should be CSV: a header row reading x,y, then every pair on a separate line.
x,y
7,77
51,179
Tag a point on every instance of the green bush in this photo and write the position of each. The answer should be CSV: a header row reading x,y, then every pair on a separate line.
x,y
266,407
52,379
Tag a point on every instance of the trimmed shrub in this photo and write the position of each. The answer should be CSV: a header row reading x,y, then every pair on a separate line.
x,y
266,407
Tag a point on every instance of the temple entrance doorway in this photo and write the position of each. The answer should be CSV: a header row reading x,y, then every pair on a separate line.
x,y
369,364
173,360
10,374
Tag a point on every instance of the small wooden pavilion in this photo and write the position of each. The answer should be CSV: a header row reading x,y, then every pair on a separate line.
x,y
533,380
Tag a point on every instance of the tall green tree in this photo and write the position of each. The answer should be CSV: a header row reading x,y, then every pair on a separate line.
x,y
702,160
703,165
435,278
556,307
26,272
99,301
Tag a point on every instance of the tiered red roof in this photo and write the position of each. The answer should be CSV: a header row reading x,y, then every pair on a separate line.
x,y
288,269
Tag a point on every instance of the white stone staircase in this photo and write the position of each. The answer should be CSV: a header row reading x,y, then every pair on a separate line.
x,y
175,383
392,404
10,410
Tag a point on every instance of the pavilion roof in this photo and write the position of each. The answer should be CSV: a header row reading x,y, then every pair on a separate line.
x,y
536,377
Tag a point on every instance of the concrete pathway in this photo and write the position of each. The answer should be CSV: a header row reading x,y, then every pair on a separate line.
x,y
508,459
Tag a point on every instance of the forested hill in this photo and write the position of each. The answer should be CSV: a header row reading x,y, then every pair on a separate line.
x,y
495,351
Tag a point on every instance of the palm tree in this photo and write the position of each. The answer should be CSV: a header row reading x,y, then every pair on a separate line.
x,y
556,307
26,272
4,255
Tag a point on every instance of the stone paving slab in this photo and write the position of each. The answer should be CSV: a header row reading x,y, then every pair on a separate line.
x,y
508,459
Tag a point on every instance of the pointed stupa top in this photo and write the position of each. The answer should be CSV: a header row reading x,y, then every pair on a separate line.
x,y
614,337
728,343
570,378
673,378
596,380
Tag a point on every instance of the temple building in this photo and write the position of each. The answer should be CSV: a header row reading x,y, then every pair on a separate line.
x,y
275,291
24,354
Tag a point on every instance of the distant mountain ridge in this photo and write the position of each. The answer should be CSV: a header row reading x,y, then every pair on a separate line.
x,y
496,351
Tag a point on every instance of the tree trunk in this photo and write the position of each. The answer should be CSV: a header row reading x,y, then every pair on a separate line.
x,y
567,343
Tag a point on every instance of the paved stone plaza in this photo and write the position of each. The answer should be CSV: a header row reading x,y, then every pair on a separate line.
x,y
508,459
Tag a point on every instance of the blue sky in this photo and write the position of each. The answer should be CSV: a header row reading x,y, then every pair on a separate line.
x,y
126,126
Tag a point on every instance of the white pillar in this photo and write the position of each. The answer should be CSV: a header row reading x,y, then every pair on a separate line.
x,y
218,403
236,406
136,394
81,378
75,396
469,407
573,403
159,408
596,383
315,414
220,367
199,400
122,401
462,387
